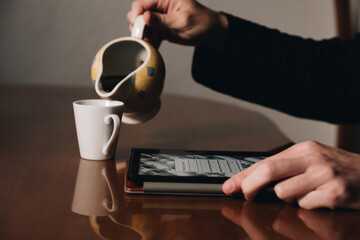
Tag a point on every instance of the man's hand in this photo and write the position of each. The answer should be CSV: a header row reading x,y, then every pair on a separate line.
x,y
313,174
180,21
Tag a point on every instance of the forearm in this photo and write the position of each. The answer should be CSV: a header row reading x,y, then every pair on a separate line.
x,y
305,78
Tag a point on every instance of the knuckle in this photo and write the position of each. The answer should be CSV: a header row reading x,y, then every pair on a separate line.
x,y
325,167
129,17
320,159
135,5
237,180
337,193
269,169
332,203
246,189
311,146
247,194
184,18
328,172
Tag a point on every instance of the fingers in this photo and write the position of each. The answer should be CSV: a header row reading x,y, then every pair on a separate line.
x,y
136,10
263,173
149,7
312,174
295,187
233,184
185,22
271,171
299,185
164,18
291,162
330,195
138,7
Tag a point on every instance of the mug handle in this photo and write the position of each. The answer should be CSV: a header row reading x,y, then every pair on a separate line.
x,y
138,28
107,120
114,206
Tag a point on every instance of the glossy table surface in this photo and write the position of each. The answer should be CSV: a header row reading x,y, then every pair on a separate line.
x,y
48,192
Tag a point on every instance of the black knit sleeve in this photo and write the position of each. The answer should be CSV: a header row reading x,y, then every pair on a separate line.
x,y
302,77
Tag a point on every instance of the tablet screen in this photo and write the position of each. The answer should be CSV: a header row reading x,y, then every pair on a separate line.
x,y
185,172
188,166
207,165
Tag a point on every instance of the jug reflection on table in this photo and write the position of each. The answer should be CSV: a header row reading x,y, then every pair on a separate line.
x,y
131,70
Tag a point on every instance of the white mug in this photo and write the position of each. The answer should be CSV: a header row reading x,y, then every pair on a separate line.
x,y
97,126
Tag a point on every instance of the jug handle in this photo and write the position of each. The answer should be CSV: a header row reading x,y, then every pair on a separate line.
x,y
138,28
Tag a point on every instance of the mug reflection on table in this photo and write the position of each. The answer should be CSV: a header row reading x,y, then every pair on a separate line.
x,y
97,190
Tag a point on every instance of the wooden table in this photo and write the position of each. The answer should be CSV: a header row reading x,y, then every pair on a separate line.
x,y
40,167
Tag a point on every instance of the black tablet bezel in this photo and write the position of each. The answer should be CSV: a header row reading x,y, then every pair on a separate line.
x,y
133,169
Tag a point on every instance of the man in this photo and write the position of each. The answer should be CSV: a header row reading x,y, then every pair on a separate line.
x,y
302,77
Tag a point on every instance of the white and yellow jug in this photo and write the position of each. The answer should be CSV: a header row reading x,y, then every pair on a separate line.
x,y
131,70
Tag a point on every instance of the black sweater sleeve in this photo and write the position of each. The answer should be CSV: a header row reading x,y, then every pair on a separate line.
x,y
302,77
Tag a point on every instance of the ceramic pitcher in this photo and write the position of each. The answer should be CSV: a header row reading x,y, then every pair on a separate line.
x,y
131,70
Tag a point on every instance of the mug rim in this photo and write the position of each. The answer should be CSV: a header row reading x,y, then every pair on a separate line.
x,y
98,103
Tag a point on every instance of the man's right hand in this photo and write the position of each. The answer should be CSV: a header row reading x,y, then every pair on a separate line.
x,y
185,22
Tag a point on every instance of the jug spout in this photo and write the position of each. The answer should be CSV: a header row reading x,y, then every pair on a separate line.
x,y
115,87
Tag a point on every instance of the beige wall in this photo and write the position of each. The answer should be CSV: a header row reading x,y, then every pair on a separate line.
x,y
53,42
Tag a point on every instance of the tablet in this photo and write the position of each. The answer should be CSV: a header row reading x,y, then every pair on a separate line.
x,y
181,172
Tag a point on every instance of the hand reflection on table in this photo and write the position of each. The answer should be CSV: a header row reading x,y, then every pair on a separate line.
x,y
260,221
